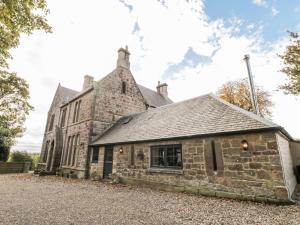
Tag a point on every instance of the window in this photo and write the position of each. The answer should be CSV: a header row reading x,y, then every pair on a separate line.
x,y
95,155
46,152
213,150
76,111
63,118
131,156
166,156
123,87
51,122
77,150
70,151
74,150
67,151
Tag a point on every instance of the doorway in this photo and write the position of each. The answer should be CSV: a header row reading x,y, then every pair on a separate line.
x,y
108,161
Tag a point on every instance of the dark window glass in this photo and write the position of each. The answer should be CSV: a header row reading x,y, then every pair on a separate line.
x,y
70,151
213,149
78,110
75,150
95,156
123,87
167,156
132,156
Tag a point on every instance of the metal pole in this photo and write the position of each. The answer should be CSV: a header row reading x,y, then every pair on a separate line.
x,y
252,89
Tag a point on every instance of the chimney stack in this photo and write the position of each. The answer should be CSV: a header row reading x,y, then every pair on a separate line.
x,y
123,58
88,82
162,89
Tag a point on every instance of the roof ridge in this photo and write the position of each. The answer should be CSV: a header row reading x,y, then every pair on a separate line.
x,y
245,112
182,101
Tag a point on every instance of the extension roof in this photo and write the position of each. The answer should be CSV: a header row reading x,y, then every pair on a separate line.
x,y
206,115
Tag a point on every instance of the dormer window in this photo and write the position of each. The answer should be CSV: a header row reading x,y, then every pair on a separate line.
x,y
123,87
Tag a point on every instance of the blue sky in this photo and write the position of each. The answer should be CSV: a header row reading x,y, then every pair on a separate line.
x,y
276,16
195,46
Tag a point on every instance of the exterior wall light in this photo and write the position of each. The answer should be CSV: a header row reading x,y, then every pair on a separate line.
x,y
244,145
121,150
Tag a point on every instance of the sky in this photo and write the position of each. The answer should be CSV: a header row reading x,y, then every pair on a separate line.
x,y
195,46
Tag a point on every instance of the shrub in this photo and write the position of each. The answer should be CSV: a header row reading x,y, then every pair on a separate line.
x,y
20,156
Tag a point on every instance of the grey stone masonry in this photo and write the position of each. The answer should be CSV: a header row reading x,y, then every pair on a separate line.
x,y
75,118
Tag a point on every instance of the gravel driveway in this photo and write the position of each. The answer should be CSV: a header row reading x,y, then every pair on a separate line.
x,y
26,199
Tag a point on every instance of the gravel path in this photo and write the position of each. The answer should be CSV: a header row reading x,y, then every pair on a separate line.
x,y
26,199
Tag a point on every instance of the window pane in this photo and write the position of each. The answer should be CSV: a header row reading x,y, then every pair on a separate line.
x,y
157,157
166,156
95,155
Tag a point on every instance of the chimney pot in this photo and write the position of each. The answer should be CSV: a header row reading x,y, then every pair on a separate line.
x,y
123,58
162,89
88,82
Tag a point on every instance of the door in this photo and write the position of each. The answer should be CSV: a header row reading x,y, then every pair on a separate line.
x,y
108,161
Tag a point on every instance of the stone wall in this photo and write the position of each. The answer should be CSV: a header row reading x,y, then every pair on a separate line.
x,y
253,174
14,167
56,134
83,128
111,104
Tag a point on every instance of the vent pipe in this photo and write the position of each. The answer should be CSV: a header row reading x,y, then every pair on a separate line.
x,y
252,87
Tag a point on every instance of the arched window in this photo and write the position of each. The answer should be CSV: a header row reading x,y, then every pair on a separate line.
x,y
123,87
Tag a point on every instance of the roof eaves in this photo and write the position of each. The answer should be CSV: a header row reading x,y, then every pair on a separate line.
x,y
194,136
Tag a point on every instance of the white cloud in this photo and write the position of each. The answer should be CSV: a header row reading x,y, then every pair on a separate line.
x,y
259,2
274,11
86,38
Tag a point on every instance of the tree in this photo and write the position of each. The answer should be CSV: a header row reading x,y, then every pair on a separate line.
x,y
4,152
14,106
291,61
16,17
238,93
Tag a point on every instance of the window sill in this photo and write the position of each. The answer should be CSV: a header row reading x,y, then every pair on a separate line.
x,y
165,170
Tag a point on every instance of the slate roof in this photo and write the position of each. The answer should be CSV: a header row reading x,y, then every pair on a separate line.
x,y
204,115
152,98
68,93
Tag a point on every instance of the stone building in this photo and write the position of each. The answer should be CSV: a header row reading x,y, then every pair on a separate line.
x,y
115,128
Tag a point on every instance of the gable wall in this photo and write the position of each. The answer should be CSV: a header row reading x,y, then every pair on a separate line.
x,y
54,109
295,151
111,104
82,127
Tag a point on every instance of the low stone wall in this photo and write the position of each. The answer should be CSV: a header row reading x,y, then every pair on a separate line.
x,y
13,167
